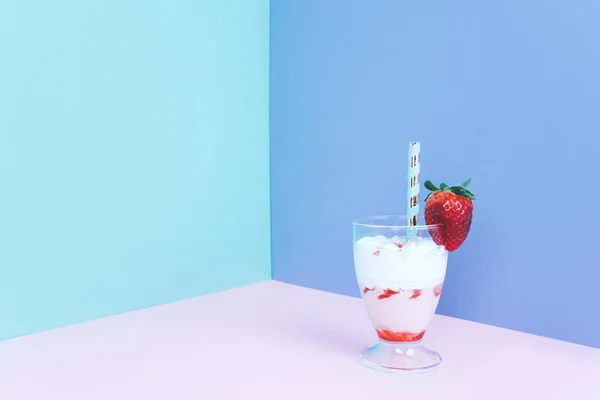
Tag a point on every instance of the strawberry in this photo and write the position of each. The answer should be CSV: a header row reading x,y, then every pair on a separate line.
x,y
452,208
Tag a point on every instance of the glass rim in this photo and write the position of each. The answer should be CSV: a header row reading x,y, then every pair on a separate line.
x,y
362,221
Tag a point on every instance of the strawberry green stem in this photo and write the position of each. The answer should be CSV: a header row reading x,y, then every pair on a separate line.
x,y
457,190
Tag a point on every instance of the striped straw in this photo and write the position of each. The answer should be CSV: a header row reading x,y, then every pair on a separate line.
x,y
414,170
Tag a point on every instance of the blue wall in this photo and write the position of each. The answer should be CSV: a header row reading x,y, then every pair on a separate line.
x,y
504,92
134,155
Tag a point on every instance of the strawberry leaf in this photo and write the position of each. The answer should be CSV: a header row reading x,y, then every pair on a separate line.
x,y
461,191
466,183
458,190
443,186
429,185
471,195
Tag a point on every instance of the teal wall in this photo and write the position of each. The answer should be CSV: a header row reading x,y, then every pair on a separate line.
x,y
134,155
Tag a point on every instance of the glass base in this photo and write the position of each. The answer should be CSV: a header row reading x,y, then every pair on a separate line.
x,y
399,357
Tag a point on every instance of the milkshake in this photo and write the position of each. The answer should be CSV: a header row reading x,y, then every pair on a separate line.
x,y
400,282
400,272
400,264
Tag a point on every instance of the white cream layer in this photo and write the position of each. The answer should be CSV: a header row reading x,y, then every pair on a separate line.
x,y
381,263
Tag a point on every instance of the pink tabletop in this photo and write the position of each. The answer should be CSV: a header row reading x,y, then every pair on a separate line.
x,y
276,341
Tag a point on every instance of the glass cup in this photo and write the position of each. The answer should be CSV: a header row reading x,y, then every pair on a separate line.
x,y
400,272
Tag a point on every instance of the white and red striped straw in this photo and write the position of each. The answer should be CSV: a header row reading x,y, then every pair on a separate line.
x,y
414,172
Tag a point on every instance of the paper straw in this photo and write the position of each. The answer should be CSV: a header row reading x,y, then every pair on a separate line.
x,y
414,170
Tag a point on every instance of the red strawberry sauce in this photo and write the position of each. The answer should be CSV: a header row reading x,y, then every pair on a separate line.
x,y
387,293
399,336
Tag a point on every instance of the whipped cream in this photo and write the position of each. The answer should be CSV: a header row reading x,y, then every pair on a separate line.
x,y
395,263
